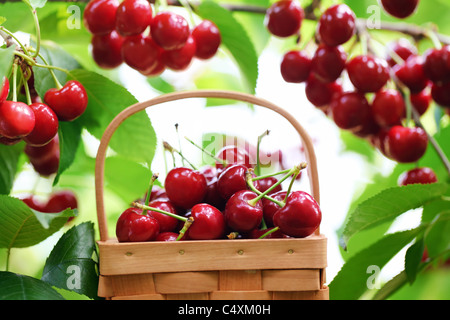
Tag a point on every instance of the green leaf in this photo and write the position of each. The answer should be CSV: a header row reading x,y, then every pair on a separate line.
x,y
135,138
9,157
389,204
20,287
70,265
353,278
22,227
2,20
235,39
437,239
6,62
161,85
413,258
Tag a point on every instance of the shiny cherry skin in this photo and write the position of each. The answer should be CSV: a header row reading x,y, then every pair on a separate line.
x,y
167,236
284,18
61,200
233,179
34,203
337,25
133,226
328,63
213,196
234,155
4,92
270,207
421,101
295,66
368,73
209,223
406,145
412,74
46,126
241,216
45,159
350,111
169,30
400,8
441,94
69,102
166,223
180,59
140,52
423,175
207,38
388,107
133,17
107,50
185,187
17,119
437,64
99,16
321,94
403,48
266,183
300,216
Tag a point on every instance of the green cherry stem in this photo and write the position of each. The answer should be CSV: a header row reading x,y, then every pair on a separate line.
x,y
27,89
271,175
14,89
149,192
294,176
223,162
186,226
171,149
148,208
253,188
269,232
258,162
9,33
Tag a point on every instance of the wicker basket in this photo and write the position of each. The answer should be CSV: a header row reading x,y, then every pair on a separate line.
x,y
269,269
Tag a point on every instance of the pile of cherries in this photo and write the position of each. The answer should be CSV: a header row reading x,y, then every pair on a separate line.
x,y
225,201
130,32
371,109
37,124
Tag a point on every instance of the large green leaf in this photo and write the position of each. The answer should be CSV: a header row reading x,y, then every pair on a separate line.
x,y
20,287
70,265
22,227
9,157
352,280
235,39
135,138
389,204
6,62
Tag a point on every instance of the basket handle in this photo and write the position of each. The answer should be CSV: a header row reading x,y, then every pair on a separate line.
x,y
131,110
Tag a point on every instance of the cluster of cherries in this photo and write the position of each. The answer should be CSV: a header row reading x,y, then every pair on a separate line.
x,y
225,201
371,109
129,32
37,124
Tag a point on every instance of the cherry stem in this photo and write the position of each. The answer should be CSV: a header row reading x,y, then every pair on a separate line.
x,y
233,235
9,33
27,89
149,192
50,69
270,175
179,142
14,72
223,162
258,164
188,7
294,176
170,214
186,226
253,188
171,149
269,232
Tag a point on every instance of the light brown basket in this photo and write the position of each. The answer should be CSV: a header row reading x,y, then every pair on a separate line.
x,y
268,269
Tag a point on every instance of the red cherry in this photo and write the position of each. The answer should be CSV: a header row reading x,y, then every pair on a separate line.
x,y
166,223
350,111
257,233
169,30
403,48
107,50
295,66
141,52
213,196
16,119
337,25
270,207
441,94
234,155
412,74
421,101
180,59
417,176
133,226
185,187
400,8
266,183
321,94
34,203
233,179
436,65
388,108
328,63
99,16
60,201
207,38
367,73
167,236
240,215
9,142
4,92
46,126
133,17
406,145
284,18
45,159
300,216
69,102
209,223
